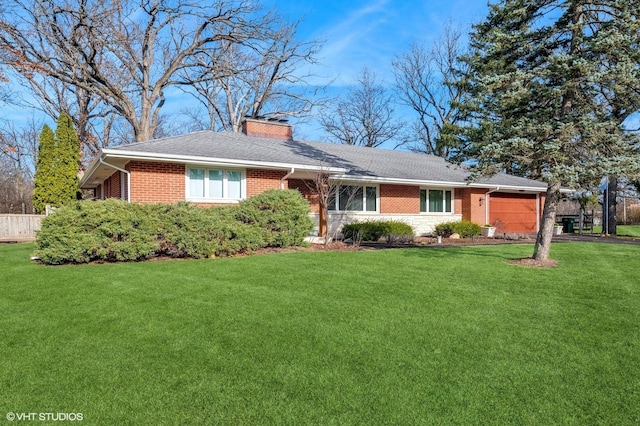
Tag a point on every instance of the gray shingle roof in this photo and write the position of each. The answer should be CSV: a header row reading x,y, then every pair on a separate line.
x,y
357,161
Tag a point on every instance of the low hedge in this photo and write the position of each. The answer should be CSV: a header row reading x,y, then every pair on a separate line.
x,y
465,229
375,230
113,230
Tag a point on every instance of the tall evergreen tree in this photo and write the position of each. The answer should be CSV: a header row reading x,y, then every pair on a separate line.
x,y
539,71
68,149
56,177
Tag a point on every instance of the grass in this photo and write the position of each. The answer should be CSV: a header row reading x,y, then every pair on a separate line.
x,y
405,336
622,230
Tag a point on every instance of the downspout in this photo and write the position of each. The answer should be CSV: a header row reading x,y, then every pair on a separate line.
x,y
486,203
285,177
120,170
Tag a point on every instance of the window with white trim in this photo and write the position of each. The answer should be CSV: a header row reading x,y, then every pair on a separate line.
x,y
216,184
355,198
436,201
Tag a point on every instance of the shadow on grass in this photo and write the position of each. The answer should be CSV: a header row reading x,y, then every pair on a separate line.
x,y
497,251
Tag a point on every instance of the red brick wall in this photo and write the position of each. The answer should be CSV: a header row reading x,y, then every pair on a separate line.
x,y
305,188
267,129
469,200
165,182
399,199
457,201
107,188
156,182
259,181
112,186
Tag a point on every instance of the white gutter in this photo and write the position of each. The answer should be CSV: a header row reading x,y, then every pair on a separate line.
x,y
285,177
486,203
120,170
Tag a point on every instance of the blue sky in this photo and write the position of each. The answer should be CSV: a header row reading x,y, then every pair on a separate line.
x,y
358,33
370,33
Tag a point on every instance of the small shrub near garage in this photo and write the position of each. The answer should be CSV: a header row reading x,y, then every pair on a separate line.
x,y
465,229
113,230
392,231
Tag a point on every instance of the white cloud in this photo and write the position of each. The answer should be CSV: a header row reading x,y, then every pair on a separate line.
x,y
350,41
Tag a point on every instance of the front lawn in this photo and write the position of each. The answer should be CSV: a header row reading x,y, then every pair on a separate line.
x,y
402,336
622,230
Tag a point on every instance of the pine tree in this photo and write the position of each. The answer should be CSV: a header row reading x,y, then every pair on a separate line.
x,y
542,74
56,177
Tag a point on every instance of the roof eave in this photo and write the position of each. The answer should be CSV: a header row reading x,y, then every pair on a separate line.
x,y
86,177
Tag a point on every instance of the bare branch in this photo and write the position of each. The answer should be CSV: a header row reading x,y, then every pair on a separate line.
x,y
426,80
365,116
127,54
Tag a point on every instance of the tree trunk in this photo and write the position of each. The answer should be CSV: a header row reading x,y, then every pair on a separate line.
x,y
581,220
545,234
322,222
612,192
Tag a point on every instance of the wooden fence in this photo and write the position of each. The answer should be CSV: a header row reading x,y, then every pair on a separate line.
x,y
19,227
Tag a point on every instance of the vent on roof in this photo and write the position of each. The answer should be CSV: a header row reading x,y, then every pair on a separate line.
x,y
271,128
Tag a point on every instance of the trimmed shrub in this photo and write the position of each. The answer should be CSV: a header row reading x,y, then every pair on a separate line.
x,y
114,230
465,229
375,230
282,215
186,231
84,231
397,231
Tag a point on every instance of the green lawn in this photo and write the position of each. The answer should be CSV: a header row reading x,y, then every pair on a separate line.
x,y
622,230
405,336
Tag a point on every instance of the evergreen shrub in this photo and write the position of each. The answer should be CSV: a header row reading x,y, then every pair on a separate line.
x,y
113,230
465,229
283,216
375,230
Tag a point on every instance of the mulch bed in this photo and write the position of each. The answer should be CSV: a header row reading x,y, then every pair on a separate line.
x,y
452,242
416,243
529,262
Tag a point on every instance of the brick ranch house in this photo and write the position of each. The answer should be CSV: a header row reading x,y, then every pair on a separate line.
x,y
215,168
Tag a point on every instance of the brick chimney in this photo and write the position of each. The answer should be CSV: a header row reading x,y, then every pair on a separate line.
x,y
274,129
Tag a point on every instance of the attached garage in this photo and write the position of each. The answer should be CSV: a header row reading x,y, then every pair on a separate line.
x,y
514,213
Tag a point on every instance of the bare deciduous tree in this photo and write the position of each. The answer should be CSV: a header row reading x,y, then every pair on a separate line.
x,y
365,116
128,54
426,80
18,149
94,120
265,79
